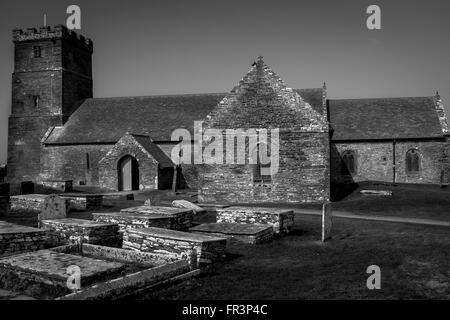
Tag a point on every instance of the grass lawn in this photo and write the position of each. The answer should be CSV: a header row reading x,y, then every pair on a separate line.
x,y
414,262
408,201
414,259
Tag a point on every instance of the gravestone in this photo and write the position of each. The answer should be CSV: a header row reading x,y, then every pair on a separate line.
x,y
27,187
154,200
327,221
4,190
54,207
4,206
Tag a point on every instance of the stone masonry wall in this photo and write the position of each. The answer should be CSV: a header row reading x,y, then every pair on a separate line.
x,y
197,249
281,221
15,243
70,232
70,163
108,167
46,90
374,162
303,175
261,100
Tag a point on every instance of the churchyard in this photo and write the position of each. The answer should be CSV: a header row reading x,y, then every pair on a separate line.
x,y
132,247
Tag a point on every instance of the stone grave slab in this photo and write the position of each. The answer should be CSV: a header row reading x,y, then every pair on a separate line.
x,y
148,216
18,239
84,231
281,220
46,270
200,214
245,233
196,248
83,201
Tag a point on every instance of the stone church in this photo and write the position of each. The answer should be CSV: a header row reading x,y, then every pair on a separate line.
x,y
58,131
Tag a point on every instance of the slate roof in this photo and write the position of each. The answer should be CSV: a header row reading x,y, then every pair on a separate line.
x,y
157,154
384,118
313,96
106,120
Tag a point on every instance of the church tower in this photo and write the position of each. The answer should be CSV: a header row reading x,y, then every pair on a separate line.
x,y
52,77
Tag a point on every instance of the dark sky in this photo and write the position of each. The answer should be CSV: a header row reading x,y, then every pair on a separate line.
x,y
158,47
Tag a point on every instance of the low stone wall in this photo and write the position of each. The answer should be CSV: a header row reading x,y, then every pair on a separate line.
x,y
145,217
73,231
130,256
83,202
16,239
29,202
282,221
197,249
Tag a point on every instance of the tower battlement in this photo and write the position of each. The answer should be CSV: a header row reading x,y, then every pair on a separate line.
x,y
56,32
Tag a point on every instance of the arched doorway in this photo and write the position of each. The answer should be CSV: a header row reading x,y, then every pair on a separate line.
x,y
128,171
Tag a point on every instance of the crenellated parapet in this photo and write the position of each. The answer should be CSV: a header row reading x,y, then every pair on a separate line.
x,y
56,32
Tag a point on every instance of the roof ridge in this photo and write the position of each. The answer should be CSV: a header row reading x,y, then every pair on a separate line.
x,y
380,98
159,96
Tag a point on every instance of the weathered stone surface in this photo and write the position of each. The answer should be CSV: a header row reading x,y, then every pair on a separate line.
x,y
145,216
132,284
83,201
84,231
45,272
154,172
374,161
30,202
281,220
246,233
17,239
195,248
54,207
60,79
376,192
327,221
129,256
262,100
61,185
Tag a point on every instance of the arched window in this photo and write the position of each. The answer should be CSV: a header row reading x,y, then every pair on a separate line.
x,y
349,162
262,172
412,161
